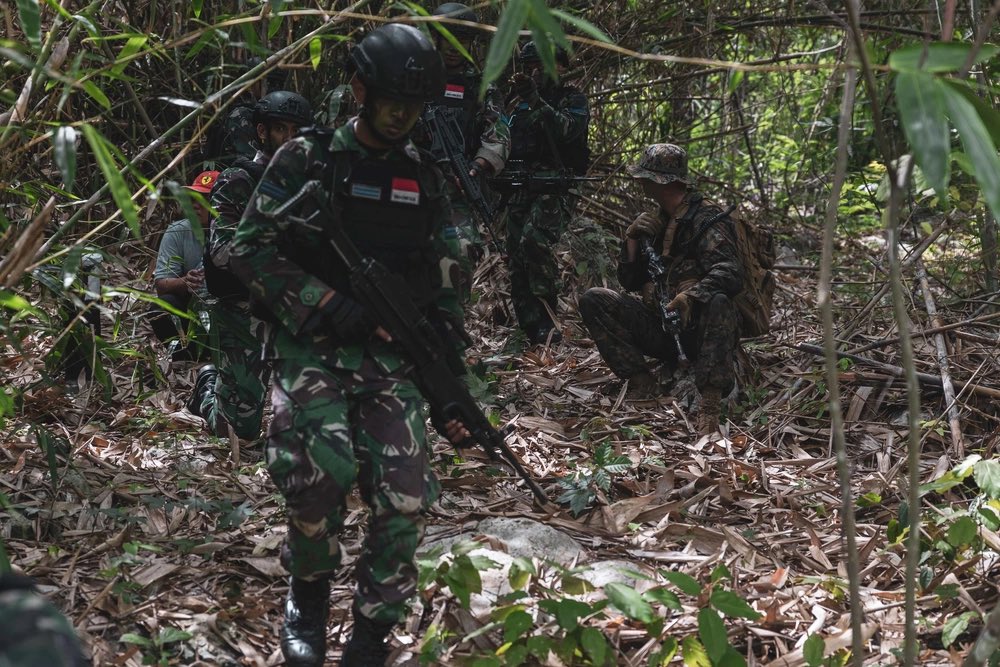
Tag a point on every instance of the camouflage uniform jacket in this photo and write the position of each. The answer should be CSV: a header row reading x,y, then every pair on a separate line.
x,y
563,114
711,267
263,247
239,135
230,196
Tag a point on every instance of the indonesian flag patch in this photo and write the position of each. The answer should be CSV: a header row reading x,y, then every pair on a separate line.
x,y
454,91
405,191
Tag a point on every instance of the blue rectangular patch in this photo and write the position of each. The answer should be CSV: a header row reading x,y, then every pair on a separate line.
x,y
362,191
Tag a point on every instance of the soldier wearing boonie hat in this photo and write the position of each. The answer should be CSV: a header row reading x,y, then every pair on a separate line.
x,y
698,247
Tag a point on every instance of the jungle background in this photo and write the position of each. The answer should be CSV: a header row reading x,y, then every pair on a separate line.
x,y
851,513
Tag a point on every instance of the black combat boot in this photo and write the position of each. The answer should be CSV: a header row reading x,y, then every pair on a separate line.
x,y
205,381
303,637
367,647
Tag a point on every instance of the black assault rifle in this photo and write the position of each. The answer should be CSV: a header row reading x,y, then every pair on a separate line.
x,y
447,140
383,293
669,318
516,176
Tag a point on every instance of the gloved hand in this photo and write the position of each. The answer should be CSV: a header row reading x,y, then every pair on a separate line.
x,y
647,225
682,304
525,88
348,318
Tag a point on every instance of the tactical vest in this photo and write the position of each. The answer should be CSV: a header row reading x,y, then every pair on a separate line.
x,y
532,143
384,207
461,97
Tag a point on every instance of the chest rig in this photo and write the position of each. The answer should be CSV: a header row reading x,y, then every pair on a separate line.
x,y
532,142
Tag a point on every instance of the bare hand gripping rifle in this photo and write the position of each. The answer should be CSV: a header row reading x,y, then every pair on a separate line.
x,y
383,293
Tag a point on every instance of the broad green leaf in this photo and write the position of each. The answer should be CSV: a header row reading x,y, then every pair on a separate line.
x,y
516,624
731,604
731,658
521,570
277,5
719,573
171,635
196,6
685,582
629,602
97,94
582,25
955,626
502,44
64,145
594,644
273,26
989,115
693,653
315,51
31,21
941,56
962,532
813,650
132,47
666,653
568,613
12,301
119,190
667,598
920,98
987,476
712,631
138,640
978,146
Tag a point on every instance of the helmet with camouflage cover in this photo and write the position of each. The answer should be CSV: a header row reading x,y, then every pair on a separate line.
x,y
283,105
456,10
662,163
529,53
400,62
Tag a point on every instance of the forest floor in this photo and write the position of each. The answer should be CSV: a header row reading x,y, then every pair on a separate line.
x,y
162,551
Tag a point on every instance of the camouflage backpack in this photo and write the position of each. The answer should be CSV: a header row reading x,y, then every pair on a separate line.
x,y
756,248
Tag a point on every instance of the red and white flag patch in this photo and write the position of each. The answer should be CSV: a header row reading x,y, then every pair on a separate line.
x,y
405,191
454,91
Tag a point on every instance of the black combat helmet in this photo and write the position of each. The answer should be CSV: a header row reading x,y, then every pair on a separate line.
x,y
529,53
283,105
456,10
399,62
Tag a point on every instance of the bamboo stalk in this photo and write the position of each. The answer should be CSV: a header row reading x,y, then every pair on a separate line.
x,y
954,421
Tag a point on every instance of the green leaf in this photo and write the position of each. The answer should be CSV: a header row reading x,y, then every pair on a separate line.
x,y
119,190
987,476
813,650
131,47
693,653
582,25
731,658
667,598
31,21
521,570
666,653
955,626
273,26
196,6
138,640
594,645
171,635
990,116
719,573
712,631
568,613
920,98
941,57
12,301
685,582
64,145
502,44
962,532
315,51
733,605
978,145
96,93
516,624
629,602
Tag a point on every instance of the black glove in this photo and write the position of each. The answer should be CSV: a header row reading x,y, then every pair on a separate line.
x,y
348,318
525,88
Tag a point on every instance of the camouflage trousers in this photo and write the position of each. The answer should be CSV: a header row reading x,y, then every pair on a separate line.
x,y
534,225
333,427
627,331
237,399
34,632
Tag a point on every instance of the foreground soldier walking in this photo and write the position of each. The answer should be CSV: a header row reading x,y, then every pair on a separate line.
x,y
232,390
343,408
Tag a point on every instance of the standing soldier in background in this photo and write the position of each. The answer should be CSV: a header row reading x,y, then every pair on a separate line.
x,y
344,410
238,137
548,127
697,242
485,137
232,390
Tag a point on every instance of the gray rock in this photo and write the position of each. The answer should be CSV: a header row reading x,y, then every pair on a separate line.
x,y
530,539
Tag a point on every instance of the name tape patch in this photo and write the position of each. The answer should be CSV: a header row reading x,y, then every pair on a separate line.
x,y
454,91
405,191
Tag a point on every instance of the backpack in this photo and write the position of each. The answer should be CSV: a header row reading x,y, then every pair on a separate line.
x,y
755,245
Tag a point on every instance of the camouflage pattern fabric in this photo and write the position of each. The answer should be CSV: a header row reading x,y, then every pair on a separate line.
x,y
534,225
333,427
230,197
342,410
662,163
239,136
708,270
237,398
34,632
535,222
627,331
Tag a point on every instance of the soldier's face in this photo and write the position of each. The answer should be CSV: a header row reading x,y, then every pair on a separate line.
x,y
452,58
276,132
394,119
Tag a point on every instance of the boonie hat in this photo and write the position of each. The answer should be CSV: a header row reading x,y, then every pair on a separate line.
x,y
203,182
662,163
